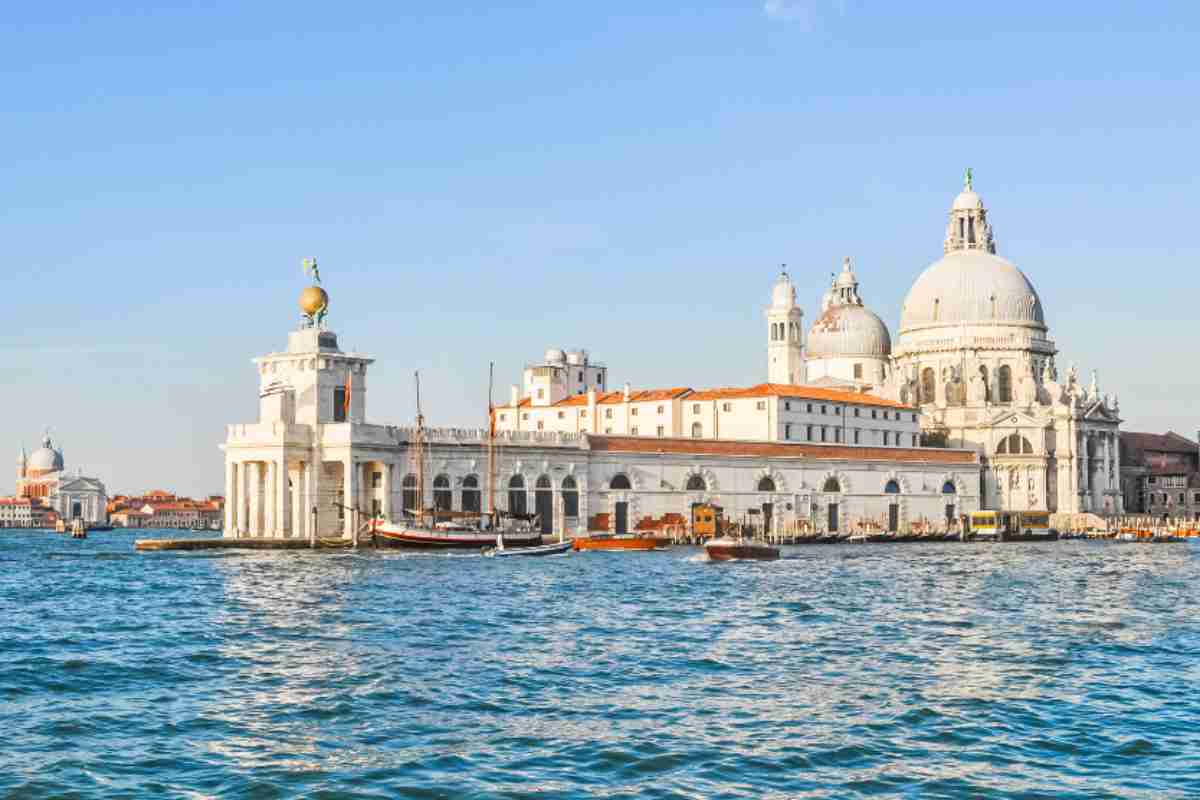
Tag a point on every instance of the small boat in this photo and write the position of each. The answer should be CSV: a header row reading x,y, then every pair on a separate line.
x,y
619,542
560,546
448,537
730,548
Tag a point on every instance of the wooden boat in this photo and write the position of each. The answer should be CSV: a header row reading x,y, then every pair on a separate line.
x,y
729,548
561,546
621,542
447,537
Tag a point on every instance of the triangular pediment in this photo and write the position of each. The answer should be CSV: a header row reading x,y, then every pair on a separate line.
x,y
1097,412
1014,419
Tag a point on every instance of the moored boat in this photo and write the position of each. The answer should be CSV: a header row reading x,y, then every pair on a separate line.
x,y
447,537
729,548
561,546
620,542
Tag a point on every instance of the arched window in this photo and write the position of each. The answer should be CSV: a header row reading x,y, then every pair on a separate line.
x,y
697,430
983,373
570,494
948,488
765,484
442,495
516,495
831,485
470,494
927,385
618,482
408,496
695,483
1004,385
1014,444
892,487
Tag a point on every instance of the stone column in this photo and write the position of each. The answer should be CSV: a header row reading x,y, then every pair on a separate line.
x,y
283,503
1119,501
270,498
350,494
387,492
231,498
254,498
312,499
297,515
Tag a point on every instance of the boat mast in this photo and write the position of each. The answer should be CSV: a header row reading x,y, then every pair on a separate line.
x,y
491,504
418,452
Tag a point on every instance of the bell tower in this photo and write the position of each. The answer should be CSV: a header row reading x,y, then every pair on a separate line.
x,y
785,334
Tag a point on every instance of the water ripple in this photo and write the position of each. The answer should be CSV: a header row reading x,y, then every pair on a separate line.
x,y
1028,670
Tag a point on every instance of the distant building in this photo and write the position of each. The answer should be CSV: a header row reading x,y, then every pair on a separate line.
x,y
42,478
1160,474
16,512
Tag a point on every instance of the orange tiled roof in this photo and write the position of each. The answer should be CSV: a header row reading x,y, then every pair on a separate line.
x,y
802,392
806,450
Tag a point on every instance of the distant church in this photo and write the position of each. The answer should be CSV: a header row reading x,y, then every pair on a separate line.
x,y
41,477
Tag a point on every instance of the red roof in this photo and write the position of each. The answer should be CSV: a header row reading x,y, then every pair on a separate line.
x,y
727,393
806,450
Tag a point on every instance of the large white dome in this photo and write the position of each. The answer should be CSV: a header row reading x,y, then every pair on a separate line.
x,y
46,458
971,287
848,330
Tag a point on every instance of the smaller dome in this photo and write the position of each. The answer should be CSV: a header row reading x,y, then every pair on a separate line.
x,y
784,293
967,200
313,300
576,357
849,330
555,356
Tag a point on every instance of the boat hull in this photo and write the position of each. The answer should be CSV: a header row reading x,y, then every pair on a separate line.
x,y
541,550
425,539
740,551
627,543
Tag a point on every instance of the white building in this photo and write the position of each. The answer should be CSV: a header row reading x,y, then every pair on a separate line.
x,y
16,512
849,345
974,353
311,465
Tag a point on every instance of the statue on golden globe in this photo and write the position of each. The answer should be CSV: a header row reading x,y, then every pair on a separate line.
x,y
314,301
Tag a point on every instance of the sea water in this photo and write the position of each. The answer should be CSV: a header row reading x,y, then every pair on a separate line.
x,y
1064,670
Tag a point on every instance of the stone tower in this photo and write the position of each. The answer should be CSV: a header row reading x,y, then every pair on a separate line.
x,y
785,334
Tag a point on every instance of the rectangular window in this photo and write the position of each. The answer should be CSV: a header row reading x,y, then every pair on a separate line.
x,y
761,405
858,372
787,405
787,431
502,417
856,412
633,431
809,408
837,435
886,439
660,431
376,480
856,435
541,425
633,411
822,433
376,508
1181,498
696,408
837,410
874,414
660,409
810,433
1151,480
608,413
824,410
583,414
914,440
525,417
561,415
339,404
541,393
581,376
914,417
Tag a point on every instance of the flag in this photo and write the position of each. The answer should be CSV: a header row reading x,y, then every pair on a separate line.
x,y
349,389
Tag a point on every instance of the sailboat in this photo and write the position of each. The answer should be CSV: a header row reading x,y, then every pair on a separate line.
x,y
424,531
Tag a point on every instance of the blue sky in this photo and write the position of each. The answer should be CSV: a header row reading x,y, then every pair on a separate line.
x,y
483,180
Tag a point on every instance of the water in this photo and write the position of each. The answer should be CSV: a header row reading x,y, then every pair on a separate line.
x,y
1063,670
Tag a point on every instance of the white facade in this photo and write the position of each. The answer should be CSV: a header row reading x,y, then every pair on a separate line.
x,y
16,512
975,355
849,345
300,471
82,498
42,477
